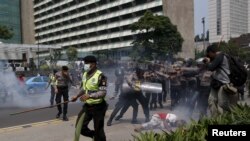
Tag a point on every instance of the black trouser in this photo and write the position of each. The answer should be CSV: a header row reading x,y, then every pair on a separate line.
x,y
164,95
118,106
62,92
156,97
202,102
97,113
124,99
148,96
175,96
164,90
118,86
130,102
143,101
52,95
191,96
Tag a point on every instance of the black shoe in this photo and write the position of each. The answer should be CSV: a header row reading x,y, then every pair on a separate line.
x,y
147,120
109,123
134,121
65,118
155,107
58,115
118,117
161,106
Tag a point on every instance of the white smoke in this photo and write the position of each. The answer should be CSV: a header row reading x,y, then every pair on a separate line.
x,y
13,94
183,111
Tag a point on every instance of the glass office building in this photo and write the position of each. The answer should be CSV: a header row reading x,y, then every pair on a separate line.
x,y
10,16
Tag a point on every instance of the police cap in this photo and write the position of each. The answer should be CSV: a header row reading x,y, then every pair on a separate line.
x,y
89,59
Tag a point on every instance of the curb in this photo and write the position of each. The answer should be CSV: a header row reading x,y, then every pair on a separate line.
x,y
39,124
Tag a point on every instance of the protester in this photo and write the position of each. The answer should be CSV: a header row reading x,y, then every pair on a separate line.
x,y
161,121
220,100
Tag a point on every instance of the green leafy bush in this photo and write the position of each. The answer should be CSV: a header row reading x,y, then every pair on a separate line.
x,y
197,130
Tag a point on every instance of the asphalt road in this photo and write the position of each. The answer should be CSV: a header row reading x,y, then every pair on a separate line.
x,y
30,102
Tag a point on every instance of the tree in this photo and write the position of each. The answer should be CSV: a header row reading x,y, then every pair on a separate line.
x,y
6,32
71,53
233,49
155,35
198,54
55,55
197,38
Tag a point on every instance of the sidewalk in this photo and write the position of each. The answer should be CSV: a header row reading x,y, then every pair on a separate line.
x,y
57,130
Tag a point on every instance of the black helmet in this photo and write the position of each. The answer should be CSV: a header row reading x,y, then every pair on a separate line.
x,y
54,71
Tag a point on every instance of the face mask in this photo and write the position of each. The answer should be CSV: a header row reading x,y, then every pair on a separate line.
x,y
87,67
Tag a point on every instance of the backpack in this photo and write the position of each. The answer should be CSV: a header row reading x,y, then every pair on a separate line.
x,y
238,72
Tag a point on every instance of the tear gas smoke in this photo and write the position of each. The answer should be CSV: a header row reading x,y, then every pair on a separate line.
x,y
13,94
183,111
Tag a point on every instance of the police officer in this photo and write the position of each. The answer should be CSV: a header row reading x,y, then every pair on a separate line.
x,y
93,94
134,81
175,88
126,99
62,90
119,73
52,82
203,81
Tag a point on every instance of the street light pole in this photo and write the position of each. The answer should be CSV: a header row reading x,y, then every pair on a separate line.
x,y
203,22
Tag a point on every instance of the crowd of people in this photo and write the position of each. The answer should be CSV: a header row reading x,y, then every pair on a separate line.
x,y
206,84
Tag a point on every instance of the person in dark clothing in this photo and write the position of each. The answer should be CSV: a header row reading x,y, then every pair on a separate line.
x,y
125,100
62,90
134,80
13,66
156,97
119,73
241,92
203,86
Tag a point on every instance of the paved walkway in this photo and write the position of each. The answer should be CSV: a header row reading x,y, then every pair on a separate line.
x,y
57,130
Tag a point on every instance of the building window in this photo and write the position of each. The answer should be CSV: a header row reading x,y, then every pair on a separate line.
x,y
218,22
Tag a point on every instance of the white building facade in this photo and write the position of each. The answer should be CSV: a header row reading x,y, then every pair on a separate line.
x,y
89,25
228,19
92,25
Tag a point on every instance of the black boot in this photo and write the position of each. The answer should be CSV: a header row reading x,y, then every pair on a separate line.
x,y
65,118
161,106
118,117
109,123
134,121
58,114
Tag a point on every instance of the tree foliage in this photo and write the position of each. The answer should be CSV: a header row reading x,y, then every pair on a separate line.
x,y
235,50
55,55
6,32
71,53
155,35
199,38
